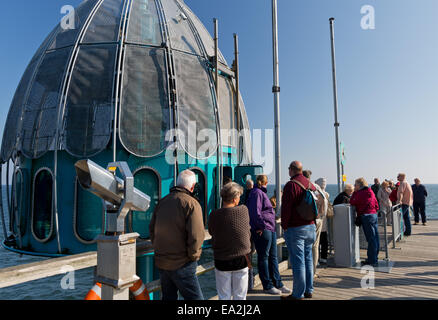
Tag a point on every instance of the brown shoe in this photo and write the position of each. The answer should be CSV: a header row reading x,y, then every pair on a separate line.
x,y
308,295
290,298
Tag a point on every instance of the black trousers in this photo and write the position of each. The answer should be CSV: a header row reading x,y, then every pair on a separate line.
x,y
420,208
323,241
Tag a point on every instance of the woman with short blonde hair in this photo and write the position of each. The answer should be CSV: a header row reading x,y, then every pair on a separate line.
x,y
385,203
361,183
230,231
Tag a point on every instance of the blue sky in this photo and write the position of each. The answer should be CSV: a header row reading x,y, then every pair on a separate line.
x,y
387,77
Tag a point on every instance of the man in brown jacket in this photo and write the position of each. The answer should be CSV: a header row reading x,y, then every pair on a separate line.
x,y
177,234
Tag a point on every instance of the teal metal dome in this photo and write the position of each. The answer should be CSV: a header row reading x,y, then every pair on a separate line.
x,y
112,88
127,73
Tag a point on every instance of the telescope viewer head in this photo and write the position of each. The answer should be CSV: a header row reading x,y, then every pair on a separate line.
x,y
109,187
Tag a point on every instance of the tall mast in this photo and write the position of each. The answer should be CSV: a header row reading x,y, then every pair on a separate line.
x,y
276,91
335,100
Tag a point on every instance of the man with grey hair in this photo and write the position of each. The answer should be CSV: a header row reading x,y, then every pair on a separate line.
x,y
249,187
177,234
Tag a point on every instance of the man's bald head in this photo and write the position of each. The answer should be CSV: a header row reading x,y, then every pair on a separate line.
x,y
296,167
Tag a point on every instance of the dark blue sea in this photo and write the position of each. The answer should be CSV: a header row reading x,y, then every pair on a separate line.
x,y
51,289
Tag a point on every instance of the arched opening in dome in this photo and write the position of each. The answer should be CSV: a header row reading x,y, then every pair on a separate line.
x,y
148,181
88,215
42,205
19,203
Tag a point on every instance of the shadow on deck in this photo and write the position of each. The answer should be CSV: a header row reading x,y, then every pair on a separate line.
x,y
414,274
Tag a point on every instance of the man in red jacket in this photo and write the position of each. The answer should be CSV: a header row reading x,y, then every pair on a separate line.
x,y
298,233
365,202
393,195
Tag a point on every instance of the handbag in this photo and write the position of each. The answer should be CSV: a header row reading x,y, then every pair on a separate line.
x,y
248,260
330,211
358,222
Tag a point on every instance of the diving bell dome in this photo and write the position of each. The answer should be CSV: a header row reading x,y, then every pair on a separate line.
x,y
130,70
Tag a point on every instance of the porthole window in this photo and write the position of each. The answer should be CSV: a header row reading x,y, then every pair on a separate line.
x,y
42,205
19,187
88,215
146,180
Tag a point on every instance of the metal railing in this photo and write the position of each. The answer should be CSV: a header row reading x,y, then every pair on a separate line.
x,y
38,270
385,238
397,224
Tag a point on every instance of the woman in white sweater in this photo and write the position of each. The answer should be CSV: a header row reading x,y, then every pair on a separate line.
x,y
385,203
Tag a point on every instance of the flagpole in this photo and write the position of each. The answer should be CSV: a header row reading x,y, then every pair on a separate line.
x,y
335,100
276,92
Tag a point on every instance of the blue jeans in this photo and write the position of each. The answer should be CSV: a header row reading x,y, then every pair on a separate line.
x,y
183,280
406,219
299,242
267,263
371,231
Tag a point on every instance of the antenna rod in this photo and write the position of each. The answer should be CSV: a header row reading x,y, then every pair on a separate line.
x,y
276,92
236,73
335,98
219,170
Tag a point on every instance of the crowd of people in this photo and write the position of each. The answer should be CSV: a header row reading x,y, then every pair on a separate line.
x,y
246,223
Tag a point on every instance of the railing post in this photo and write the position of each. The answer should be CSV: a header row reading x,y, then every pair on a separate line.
x,y
393,228
279,235
386,236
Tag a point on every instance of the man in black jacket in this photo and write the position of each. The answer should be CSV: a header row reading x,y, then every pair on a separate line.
x,y
344,197
376,186
420,194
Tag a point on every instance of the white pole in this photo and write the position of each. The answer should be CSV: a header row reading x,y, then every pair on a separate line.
x,y
335,97
276,91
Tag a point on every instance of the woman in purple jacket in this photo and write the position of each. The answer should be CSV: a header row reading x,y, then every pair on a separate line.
x,y
262,221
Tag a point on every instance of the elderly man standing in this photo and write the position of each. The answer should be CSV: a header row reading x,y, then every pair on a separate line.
x,y
249,187
177,234
405,197
420,194
298,233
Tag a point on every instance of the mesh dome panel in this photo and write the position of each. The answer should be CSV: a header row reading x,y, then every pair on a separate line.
x,y
227,112
144,25
105,25
205,36
14,119
41,108
181,35
195,105
145,114
90,105
68,37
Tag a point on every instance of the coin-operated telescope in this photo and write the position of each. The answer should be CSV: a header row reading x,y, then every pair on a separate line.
x,y
119,195
116,251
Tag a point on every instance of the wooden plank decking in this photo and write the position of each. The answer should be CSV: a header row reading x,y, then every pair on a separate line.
x,y
414,274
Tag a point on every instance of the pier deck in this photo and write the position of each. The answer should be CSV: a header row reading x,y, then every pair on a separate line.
x,y
414,274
